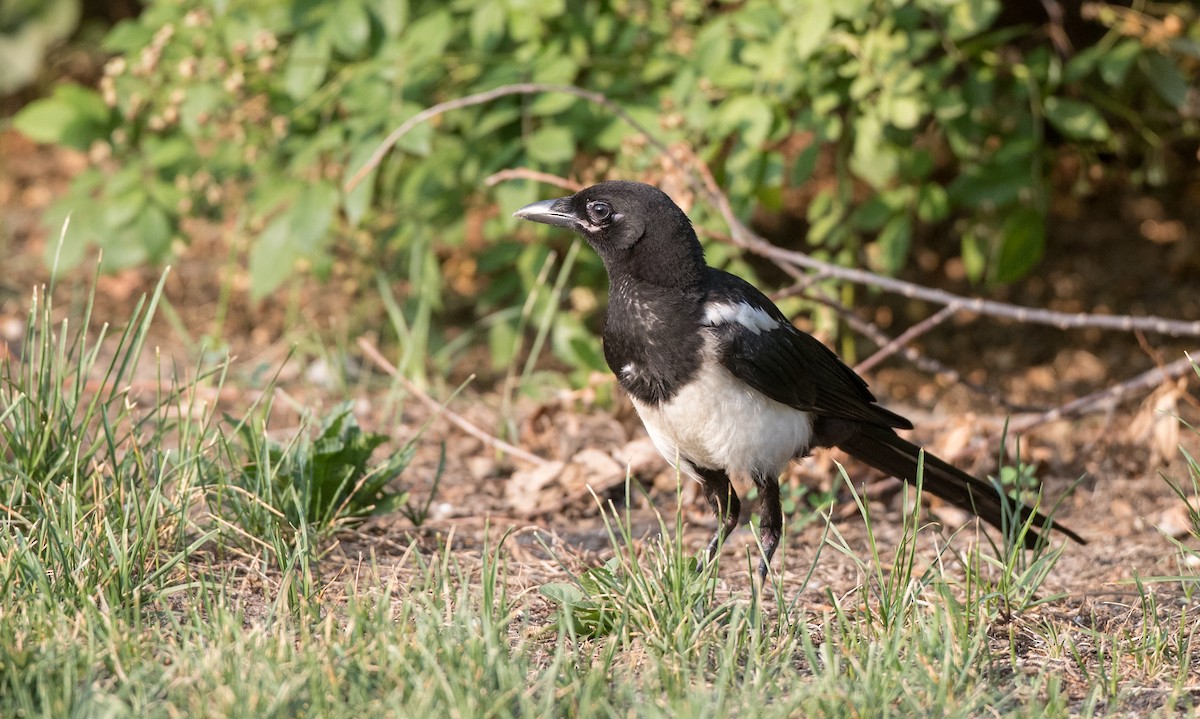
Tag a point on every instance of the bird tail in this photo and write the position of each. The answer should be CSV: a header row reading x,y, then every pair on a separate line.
x,y
886,451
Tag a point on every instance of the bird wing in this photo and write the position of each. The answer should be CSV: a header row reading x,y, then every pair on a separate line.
x,y
759,346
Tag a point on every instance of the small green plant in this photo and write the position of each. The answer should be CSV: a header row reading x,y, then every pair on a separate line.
x,y
667,603
589,606
1020,479
324,480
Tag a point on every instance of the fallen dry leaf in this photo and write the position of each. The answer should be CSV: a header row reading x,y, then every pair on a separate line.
x,y
1176,520
640,456
1156,424
525,486
593,468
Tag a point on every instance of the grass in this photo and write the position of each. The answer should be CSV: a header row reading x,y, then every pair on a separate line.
x,y
128,586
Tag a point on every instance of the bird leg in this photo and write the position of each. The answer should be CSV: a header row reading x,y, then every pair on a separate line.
x,y
723,499
770,525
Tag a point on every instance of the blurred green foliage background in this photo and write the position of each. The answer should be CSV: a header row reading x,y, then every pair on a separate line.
x,y
863,120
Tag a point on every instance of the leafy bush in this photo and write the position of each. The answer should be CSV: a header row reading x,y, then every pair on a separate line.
x,y
896,112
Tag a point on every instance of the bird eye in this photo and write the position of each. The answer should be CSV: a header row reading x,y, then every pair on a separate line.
x,y
600,211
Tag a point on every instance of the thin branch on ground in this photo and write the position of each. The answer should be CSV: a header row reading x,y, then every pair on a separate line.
x,y
904,338
1109,396
912,354
458,420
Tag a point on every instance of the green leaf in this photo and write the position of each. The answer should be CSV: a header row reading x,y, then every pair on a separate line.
x,y
549,104
120,210
1114,64
747,116
563,593
905,111
894,241
971,17
487,24
825,216
1076,120
617,129
426,38
312,215
392,15
197,107
272,258
933,204
974,256
873,159
168,152
550,145
154,232
307,65
1022,244
852,9
805,164
872,214
127,36
502,343
356,202
296,233
812,24
73,116
349,27
1166,79
991,185
419,140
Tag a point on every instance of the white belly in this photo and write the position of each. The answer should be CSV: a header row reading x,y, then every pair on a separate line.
x,y
719,422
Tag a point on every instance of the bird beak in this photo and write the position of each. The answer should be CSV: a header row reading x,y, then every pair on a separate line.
x,y
549,212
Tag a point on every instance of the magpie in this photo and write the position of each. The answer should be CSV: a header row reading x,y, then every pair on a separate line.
x,y
726,386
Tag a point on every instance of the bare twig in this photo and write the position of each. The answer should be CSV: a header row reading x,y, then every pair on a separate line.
x,y
1061,320
1107,397
904,338
458,420
800,287
912,354
524,173
1056,28
520,88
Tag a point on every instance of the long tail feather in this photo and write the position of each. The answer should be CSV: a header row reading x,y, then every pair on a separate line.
x,y
886,451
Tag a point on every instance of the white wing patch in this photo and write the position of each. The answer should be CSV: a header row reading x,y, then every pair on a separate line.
x,y
752,318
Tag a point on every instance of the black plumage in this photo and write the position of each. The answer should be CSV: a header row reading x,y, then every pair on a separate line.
x,y
725,385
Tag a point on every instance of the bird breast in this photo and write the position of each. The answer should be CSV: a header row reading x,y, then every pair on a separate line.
x,y
718,422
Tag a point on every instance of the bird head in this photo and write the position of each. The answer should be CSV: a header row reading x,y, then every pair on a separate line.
x,y
634,227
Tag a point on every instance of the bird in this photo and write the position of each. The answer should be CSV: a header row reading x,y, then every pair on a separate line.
x,y
729,390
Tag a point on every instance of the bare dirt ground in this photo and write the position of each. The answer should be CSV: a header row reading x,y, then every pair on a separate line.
x,y
1129,255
